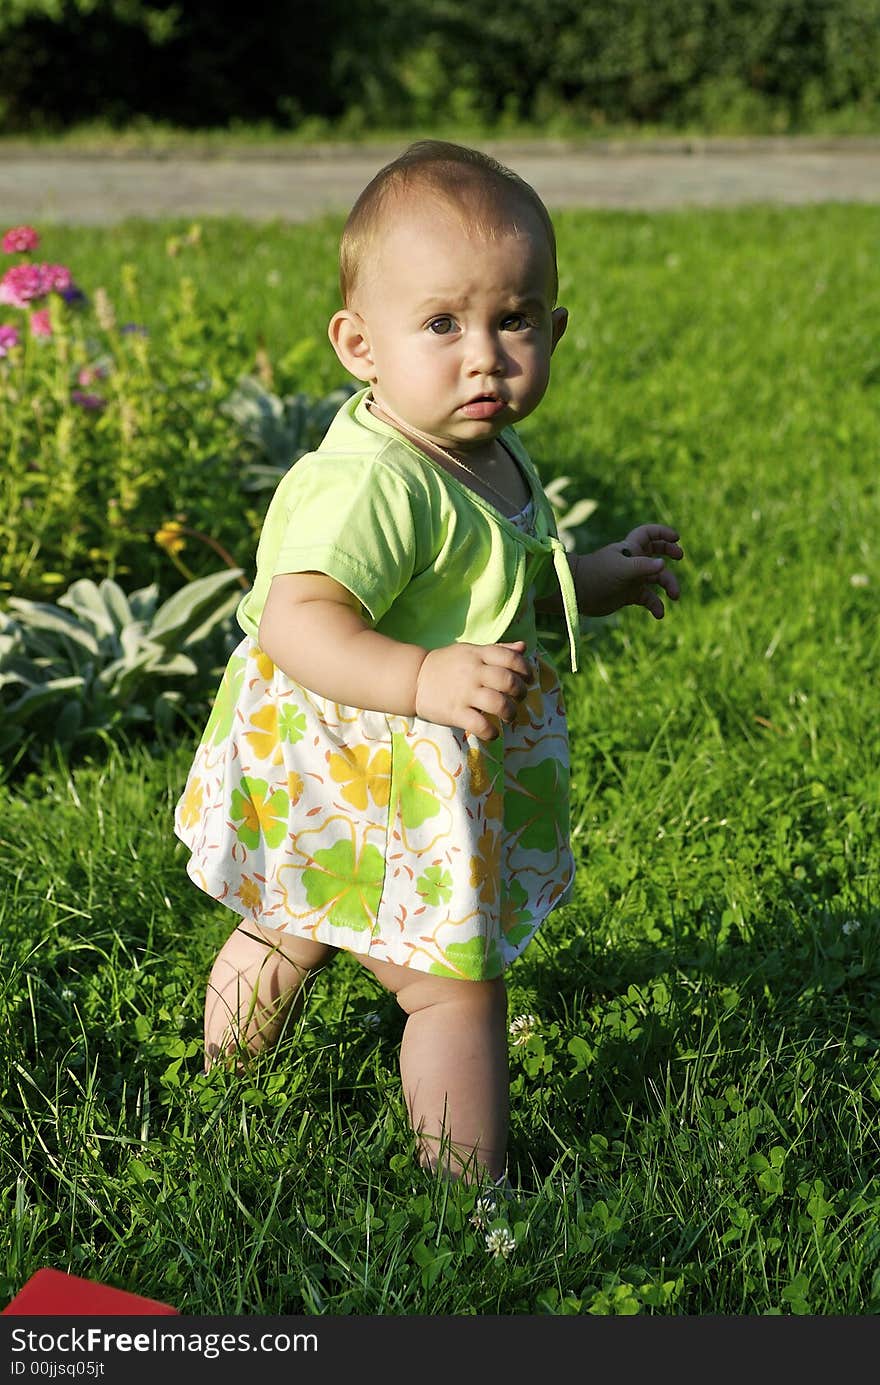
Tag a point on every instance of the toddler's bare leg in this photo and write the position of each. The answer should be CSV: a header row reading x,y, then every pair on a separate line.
x,y
454,1067
257,977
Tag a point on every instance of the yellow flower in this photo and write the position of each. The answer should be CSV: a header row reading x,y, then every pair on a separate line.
x,y
249,894
531,708
191,803
484,867
264,665
294,786
481,783
262,811
265,741
477,771
362,775
170,536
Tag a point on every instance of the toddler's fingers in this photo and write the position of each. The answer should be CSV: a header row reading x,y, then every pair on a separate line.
x,y
503,679
483,727
653,539
651,569
493,654
672,550
652,603
669,582
649,533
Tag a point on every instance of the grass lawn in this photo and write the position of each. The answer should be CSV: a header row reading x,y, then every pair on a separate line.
x,y
695,1071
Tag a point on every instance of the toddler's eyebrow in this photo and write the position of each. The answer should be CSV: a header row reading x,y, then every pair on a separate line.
x,y
438,302
448,303
527,305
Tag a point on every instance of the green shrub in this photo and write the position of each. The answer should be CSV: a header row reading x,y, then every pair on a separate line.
x,y
69,60
729,65
125,443
106,433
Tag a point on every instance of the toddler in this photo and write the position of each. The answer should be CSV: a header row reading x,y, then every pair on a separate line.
x,y
385,769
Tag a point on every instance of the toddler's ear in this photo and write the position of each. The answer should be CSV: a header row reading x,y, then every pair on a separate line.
x,y
348,336
559,324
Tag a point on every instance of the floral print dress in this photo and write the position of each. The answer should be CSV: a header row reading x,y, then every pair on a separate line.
x,y
385,835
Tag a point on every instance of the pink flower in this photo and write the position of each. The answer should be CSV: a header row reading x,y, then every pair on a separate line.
x,y
57,277
90,373
20,238
87,401
41,325
8,338
23,283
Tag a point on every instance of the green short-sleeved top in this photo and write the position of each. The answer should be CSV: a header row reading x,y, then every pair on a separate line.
x,y
430,560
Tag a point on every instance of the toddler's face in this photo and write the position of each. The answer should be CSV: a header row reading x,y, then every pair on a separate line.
x,y
458,329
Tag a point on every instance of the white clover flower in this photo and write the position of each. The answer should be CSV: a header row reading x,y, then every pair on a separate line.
x,y
522,1028
860,579
851,926
485,1209
500,1242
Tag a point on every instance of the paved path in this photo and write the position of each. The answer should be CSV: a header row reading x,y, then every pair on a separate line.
x,y
265,184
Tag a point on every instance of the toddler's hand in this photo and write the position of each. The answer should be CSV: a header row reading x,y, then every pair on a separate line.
x,y
628,573
473,686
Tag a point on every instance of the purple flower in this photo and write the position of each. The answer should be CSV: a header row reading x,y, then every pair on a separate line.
x,y
88,401
73,296
134,327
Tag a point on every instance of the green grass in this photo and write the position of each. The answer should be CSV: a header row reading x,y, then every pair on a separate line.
x,y
694,1126
274,284
729,114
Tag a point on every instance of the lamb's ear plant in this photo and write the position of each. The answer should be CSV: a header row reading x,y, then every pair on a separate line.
x,y
570,518
279,430
99,661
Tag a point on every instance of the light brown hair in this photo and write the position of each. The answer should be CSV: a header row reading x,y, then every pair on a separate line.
x,y
482,191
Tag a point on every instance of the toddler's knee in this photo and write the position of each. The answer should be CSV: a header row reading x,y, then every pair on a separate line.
x,y
480,1000
492,998
252,943
305,953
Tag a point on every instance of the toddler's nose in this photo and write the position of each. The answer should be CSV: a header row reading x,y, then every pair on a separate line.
x,y
485,356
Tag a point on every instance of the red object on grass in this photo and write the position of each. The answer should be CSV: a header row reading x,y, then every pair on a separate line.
x,y
53,1293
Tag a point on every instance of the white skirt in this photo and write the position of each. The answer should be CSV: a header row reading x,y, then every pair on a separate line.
x,y
388,836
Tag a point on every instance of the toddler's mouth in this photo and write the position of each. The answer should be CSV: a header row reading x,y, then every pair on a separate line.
x,y
483,406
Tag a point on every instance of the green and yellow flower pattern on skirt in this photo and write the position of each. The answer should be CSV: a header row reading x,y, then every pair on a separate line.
x,y
386,835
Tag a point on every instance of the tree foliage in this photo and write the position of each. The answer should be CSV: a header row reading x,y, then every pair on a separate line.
x,y
379,63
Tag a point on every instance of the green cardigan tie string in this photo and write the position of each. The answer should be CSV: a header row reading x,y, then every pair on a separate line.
x,y
569,598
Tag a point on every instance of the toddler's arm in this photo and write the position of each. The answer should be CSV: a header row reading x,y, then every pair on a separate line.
x,y
312,629
624,574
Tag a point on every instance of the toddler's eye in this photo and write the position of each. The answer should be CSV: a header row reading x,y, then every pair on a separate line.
x,y
515,322
441,326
